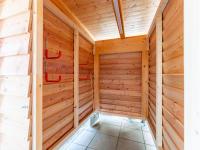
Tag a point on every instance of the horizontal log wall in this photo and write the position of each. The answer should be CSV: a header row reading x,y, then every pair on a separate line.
x,y
173,76
152,82
15,74
58,98
120,83
86,75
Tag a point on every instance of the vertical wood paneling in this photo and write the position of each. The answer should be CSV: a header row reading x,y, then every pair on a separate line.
x,y
15,74
86,78
152,82
58,98
120,83
173,74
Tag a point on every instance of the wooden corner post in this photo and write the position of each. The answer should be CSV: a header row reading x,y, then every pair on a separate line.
x,y
76,78
145,60
96,80
159,79
37,52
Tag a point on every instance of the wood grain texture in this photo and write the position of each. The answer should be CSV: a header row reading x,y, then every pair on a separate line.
x,y
58,98
99,18
15,74
86,78
173,74
152,83
120,83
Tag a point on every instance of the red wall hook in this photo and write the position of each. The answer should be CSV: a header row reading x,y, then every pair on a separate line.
x,y
54,57
48,80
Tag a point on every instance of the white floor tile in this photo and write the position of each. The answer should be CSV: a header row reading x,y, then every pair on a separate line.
x,y
148,138
109,129
129,123
149,147
103,142
129,145
76,147
135,135
112,120
84,138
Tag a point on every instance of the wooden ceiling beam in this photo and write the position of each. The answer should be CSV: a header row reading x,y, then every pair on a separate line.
x,y
117,7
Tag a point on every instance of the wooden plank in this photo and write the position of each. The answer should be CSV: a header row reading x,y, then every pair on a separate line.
x,y
159,41
76,78
132,44
56,88
15,65
8,88
11,7
144,83
56,127
118,10
16,45
58,116
52,141
96,81
22,24
66,16
47,112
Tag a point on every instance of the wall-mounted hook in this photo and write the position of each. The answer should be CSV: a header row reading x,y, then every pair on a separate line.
x,y
48,80
54,57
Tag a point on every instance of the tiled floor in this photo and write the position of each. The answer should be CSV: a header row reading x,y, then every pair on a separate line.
x,y
112,133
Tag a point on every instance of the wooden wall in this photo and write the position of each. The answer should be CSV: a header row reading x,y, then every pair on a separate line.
x,y
120,83
152,82
58,98
86,76
15,74
173,76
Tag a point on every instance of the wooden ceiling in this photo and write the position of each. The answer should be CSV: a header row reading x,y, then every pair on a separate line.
x,y
99,18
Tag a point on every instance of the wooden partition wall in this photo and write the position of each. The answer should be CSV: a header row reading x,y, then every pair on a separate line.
x,y
120,83
170,98
173,76
15,74
121,76
86,76
67,76
152,82
58,94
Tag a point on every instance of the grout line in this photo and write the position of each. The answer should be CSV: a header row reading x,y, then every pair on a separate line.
x,y
118,136
143,139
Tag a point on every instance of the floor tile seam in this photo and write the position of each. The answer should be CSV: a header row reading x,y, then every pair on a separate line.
x,y
91,140
118,136
131,140
144,139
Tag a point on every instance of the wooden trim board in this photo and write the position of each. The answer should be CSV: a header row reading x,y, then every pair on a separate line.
x,y
37,68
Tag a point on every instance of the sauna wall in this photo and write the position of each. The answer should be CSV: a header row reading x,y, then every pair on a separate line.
x,y
173,76
86,78
120,83
58,101
15,74
152,82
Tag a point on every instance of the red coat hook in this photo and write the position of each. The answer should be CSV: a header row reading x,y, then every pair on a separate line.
x,y
54,57
48,80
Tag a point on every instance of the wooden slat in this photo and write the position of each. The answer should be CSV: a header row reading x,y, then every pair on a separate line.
x,y
21,22
11,7
16,45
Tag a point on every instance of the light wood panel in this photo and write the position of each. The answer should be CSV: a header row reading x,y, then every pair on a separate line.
x,y
58,97
152,83
86,78
173,74
120,83
15,72
99,18
132,44
138,16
